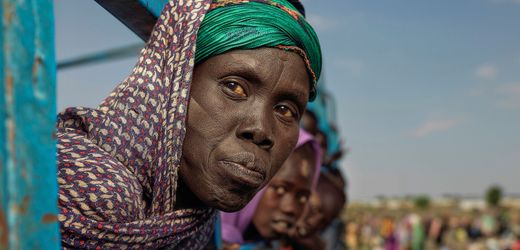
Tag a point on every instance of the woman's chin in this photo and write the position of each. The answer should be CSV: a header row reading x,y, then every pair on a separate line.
x,y
233,204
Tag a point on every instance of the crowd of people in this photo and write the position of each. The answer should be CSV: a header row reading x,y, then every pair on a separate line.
x,y
450,229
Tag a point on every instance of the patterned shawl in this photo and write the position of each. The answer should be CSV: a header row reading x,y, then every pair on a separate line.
x,y
114,159
118,164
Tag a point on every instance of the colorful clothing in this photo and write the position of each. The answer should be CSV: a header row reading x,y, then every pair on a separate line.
x,y
118,164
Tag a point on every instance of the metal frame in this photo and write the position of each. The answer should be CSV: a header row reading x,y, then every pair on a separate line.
x,y
138,15
29,190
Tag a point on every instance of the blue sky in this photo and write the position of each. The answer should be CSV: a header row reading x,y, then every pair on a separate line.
x,y
428,92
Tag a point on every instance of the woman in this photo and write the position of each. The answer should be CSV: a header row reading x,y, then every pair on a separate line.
x,y
317,227
147,170
274,211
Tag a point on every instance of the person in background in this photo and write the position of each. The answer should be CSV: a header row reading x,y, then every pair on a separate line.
x,y
516,244
352,235
316,121
309,122
275,210
319,227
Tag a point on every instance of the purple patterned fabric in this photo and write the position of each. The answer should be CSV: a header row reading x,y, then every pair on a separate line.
x,y
118,164
234,224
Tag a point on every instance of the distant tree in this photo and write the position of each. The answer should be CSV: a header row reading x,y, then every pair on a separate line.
x,y
493,196
422,202
381,198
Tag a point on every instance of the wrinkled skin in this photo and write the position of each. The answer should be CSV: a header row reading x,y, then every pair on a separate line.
x,y
242,124
286,195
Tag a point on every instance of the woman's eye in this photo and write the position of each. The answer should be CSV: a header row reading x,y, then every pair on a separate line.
x,y
280,190
236,89
285,111
303,199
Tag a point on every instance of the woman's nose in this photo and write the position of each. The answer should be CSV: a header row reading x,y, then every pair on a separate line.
x,y
257,128
288,205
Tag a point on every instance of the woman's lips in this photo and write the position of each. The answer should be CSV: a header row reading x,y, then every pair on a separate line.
x,y
244,173
281,226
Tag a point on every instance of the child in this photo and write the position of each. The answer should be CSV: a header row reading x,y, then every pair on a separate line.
x,y
276,208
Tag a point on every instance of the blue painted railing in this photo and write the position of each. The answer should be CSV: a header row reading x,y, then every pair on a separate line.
x,y
28,186
154,6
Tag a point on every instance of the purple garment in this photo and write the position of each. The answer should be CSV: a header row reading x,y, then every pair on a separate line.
x,y
234,224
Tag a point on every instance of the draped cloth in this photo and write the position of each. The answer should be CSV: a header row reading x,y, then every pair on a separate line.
x,y
118,163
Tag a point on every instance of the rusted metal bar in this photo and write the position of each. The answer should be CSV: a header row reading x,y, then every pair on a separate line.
x,y
28,186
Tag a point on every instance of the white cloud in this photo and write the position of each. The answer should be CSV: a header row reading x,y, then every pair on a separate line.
x,y
319,22
436,125
509,95
350,66
486,71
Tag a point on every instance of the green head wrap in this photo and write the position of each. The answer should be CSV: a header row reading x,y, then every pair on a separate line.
x,y
250,24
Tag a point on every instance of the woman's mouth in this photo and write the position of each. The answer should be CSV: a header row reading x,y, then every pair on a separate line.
x,y
245,174
281,226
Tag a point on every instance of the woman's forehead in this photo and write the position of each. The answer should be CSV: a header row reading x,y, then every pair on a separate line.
x,y
300,164
265,61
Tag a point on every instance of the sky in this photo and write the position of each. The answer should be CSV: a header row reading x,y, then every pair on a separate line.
x,y
427,92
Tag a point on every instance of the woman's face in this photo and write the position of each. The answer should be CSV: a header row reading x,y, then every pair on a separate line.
x,y
309,123
324,205
242,123
311,218
332,201
286,195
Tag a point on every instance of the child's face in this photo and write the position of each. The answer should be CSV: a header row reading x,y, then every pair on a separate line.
x,y
311,218
286,195
324,205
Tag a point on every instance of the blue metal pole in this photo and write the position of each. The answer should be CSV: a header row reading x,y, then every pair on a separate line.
x,y
138,15
154,6
28,185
